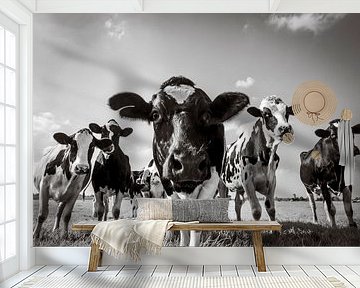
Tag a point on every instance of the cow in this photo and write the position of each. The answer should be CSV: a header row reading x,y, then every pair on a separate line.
x,y
145,183
250,162
63,172
321,173
112,172
135,189
151,181
188,142
136,183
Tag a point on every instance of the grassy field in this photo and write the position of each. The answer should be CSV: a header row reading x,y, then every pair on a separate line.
x,y
295,216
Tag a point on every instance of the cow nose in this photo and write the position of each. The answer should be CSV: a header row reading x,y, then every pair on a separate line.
x,y
81,169
285,129
190,168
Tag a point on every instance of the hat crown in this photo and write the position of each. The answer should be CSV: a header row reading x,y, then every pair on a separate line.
x,y
314,103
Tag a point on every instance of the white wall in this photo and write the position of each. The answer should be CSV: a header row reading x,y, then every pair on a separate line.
x,y
193,6
23,16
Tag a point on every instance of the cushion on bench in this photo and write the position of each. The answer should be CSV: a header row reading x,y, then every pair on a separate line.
x,y
204,210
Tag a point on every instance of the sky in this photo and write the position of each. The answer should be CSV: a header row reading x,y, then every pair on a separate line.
x,y
80,60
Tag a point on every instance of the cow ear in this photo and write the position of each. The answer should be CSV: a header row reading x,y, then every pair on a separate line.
x,y
289,110
322,133
227,105
62,138
103,143
95,128
254,111
126,132
356,129
131,105
116,129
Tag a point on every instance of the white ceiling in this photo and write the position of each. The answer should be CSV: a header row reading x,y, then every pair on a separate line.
x,y
179,6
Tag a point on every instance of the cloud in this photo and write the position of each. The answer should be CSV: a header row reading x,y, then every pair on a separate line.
x,y
315,23
45,123
115,28
248,82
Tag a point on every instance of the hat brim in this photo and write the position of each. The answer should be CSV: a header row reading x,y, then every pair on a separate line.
x,y
314,103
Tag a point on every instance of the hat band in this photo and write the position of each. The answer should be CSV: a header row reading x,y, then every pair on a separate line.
x,y
315,116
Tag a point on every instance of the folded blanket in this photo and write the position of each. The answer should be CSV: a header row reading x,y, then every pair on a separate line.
x,y
128,237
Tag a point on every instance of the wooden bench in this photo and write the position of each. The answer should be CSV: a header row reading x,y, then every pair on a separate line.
x,y
255,227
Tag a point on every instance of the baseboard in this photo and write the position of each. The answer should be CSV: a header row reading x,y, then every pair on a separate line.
x,y
209,256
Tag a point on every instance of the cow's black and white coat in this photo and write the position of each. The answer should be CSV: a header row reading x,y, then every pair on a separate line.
x,y
322,175
250,162
188,142
152,186
63,172
112,172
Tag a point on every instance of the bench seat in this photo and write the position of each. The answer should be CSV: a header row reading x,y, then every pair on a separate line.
x,y
255,227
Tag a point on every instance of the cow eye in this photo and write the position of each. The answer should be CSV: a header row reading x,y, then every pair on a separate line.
x,y
155,116
73,145
206,117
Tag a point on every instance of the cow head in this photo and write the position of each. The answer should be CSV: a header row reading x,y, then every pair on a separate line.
x,y
330,135
81,148
275,116
187,125
151,180
110,130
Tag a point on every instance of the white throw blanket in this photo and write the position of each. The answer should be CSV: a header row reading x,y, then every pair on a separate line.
x,y
346,149
126,237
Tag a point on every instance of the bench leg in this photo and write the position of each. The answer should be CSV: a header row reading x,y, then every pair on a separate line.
x,y
259,251
95,257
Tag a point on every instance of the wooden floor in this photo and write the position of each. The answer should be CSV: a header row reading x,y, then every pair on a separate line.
x,y
350,275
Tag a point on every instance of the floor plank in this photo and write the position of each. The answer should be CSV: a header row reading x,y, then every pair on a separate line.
x,y
212,270
62,271
349,274
261,274
311,271
97,273
78,271
195,271
294,271
20,277
146,271
278,271
47,271
162,271
355,268
328,271
228,270
129,271
112,270
178,270
245,271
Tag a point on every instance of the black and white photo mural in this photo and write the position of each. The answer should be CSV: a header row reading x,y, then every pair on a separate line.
x,y
195,106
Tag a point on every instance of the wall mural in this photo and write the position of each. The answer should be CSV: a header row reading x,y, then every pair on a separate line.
x,y
142,105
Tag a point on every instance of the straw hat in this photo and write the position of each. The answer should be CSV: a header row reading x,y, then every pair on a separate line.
x,y
314,103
